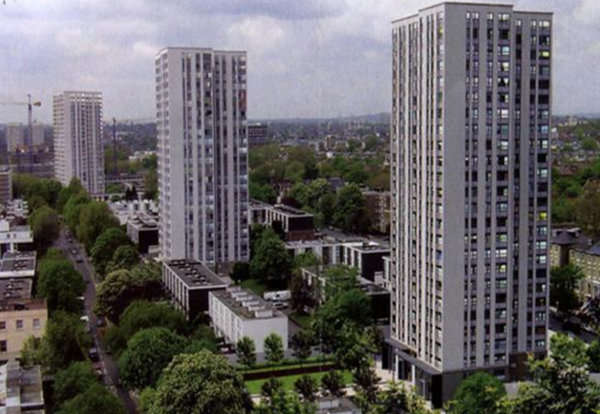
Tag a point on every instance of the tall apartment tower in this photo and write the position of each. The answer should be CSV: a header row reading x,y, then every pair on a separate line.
x,y
470,193
78,139
202,154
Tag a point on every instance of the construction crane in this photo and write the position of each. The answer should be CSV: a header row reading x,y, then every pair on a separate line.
x,y
30,104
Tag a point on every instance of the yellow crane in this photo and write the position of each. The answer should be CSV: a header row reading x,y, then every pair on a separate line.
x,y
30,104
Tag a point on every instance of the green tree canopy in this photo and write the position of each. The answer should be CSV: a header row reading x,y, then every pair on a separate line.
x,y
74,380
72,210
246,352
481,392
105,246
95,400
45,225
201,383
64,342
587,213
60,284
350,212
142,314
94,219
273,345
564,282
148,352
271,262
122,287
125,257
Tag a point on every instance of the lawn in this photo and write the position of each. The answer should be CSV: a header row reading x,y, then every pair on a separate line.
x,y
288,382
255,286
265,367
302,319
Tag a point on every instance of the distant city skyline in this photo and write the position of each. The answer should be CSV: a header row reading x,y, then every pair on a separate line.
x,y
308,59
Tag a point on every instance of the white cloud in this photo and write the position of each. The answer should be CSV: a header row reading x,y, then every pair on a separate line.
x,y
306,57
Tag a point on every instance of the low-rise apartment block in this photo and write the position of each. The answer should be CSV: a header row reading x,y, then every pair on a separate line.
x,y
293,223
563,241
14,237
236,312
142,229
16,265
21,316
189,283
21,389
588,259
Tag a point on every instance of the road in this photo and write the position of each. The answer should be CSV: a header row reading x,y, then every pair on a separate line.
x,y
109,367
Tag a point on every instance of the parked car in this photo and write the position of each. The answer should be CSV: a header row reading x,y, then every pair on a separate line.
x,y
280,305
79,259
94,355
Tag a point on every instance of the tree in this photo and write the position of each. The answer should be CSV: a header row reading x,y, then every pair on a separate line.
x,y
307,387
561,382
271,262
365,381
31,352
151,184
586,209
332,384
593,353
326,207
354,347
45,225
350,307
105,247
270,387
148,352
302,343
65,193
246,352
262,192
122,287
481,392
60,284
564,282
71,382
350,212
94,219
125,257
283,402
64,342
274,348
72,210
142,314
240,272
396,400
95,400
201,383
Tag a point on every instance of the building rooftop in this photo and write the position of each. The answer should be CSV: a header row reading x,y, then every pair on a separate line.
x,y
246,304
367,246
20,389
290,211
195,274
17,264
143,221
570,237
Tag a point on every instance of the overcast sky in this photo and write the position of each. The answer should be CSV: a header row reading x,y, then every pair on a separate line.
x,y
307,58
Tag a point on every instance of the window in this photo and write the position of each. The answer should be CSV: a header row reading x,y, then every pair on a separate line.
x,y
3,346
504,17
2,325
19,324
37,324
505,50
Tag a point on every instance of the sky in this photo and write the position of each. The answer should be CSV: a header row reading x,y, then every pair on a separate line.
x,y
306,58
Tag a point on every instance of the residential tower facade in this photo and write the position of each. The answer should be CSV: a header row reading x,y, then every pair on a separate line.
x,y
202,154
78,139
470,193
